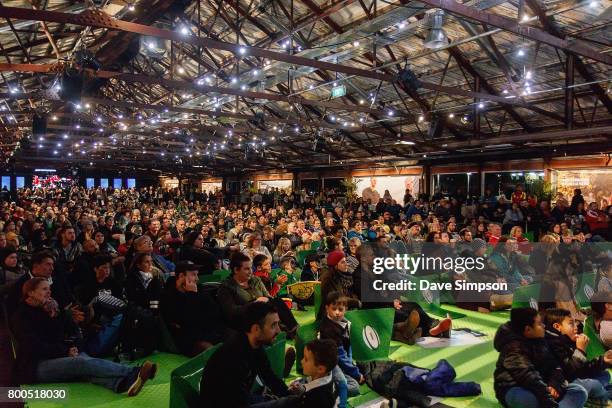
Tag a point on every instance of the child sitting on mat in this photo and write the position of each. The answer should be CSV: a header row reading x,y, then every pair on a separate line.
x,y
334,326
286,275
263,270
569,348
317,389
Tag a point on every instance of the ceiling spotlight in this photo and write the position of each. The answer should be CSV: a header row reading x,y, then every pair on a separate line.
x,y
528,75
505,91
594,3
100,130
525,18
59,144
311,86
57,87
355,43
184,30
234,80
87,106
421,118
14,90
361,101
40,146
390,113
243,87
55,152
69,154
78,106
131,7
335,84
402,25
451,115
242,50
255,72
77,126
481,105
99,119
53,117
65,136
151,45
40,138
521,53
180,70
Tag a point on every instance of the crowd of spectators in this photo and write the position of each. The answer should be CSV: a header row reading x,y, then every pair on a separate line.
x,y
85,274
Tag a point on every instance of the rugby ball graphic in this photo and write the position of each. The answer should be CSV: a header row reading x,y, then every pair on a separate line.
x,y
370,337
588,291
427,295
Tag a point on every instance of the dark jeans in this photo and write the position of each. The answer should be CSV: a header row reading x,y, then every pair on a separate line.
x,y
284,313
83,367
426,322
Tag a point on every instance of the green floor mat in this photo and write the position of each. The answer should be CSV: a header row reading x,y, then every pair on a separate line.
x,y
472,363
155,394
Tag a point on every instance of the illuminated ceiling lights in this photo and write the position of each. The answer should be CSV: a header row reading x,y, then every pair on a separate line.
x,y
436,37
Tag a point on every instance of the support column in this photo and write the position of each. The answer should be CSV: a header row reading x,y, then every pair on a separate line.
x,y
569,91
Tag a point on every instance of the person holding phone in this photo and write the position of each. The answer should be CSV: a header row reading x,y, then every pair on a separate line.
x,y
47,353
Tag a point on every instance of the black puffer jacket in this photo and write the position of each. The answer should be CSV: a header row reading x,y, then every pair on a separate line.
x,y
526,363
573,361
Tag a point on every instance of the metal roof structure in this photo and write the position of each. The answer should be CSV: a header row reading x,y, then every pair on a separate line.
x,y
223,86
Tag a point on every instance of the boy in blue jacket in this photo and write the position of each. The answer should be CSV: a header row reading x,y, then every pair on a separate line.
x,y
334,326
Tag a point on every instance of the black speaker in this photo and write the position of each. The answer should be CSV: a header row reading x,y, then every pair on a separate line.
x,y
72,85
39,125
258,120
435,128
409,80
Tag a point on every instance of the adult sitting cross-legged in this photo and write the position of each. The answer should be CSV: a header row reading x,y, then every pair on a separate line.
x,y
242,288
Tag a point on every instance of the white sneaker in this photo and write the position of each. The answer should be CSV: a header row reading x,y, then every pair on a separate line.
x,y
392,403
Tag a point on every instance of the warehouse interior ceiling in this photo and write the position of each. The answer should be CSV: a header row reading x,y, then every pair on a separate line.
x,y
221,87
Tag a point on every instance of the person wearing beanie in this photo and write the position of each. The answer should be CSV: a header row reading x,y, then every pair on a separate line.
x,y
338,279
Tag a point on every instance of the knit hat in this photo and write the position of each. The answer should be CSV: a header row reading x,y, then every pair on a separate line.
x,y
334,257
478,243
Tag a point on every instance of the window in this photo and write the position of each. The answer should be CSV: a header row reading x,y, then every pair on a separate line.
x,y
6,182
104,183
131,183
89,183
20,182
117,183
311,185
505,182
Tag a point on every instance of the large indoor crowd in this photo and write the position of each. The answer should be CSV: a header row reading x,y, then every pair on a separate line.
x,y
86,275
